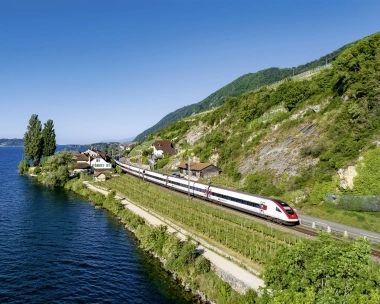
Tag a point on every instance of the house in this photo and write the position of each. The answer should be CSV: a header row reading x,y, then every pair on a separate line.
x,y
94,152
199,169
99,177
99,164
162,148
83,163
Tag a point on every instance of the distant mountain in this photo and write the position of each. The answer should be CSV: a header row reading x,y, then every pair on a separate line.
x,y
244,84
14,142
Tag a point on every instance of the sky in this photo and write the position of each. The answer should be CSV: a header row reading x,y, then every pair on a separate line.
x,y
108,70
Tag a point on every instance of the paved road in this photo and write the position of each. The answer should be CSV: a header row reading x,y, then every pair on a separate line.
x,y
238,277
338,228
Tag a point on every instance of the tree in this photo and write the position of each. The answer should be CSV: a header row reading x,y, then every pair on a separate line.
x,y
33,140
323,271
48,136
56,169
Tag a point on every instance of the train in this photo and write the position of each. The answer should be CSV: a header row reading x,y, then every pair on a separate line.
x,y
269,208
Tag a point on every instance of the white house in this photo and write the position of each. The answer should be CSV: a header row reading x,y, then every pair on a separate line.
x,y
100,164
162,148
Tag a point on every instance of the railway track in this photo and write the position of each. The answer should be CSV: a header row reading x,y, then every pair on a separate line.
x,y
301,230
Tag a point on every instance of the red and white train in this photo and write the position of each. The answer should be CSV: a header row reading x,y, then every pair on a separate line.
x,y
269,208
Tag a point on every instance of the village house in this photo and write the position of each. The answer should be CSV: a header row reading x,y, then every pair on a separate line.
x,y
199,169
94,152
162,148
99,164
83,163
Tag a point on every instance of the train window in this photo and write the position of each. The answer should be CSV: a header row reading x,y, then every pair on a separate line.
x,y
278,210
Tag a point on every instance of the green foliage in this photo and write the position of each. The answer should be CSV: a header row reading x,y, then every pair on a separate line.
x,y
48,139
152,239
291,93
318,193
261,183
162,162
23,166
33,143
202,265
147,152
323,271
224,293
37,170
118,170
56,169
313,150
367,180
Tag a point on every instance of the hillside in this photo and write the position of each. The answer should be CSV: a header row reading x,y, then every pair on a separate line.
x,y
301,139
244,84
14,142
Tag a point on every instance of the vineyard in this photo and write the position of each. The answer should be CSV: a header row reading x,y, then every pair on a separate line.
x,y
255,241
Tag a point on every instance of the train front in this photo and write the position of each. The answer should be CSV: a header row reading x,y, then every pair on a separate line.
x,y
290,215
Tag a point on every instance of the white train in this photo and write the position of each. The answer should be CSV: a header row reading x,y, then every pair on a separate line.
x,y
269,208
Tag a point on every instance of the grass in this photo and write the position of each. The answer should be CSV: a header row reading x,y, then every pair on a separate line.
x,y
364,220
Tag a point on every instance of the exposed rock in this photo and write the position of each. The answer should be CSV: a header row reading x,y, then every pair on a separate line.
x,y
347,177
195,134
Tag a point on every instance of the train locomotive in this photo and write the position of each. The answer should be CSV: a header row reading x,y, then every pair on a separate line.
x,y
268,208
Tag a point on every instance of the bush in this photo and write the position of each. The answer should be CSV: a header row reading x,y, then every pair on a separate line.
x,y
202,265
23,167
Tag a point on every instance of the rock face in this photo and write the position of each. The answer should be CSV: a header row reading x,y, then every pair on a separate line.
x,y
195,134
347,177
282,156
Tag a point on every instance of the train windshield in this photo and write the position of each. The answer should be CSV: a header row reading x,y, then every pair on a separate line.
x,y
287,208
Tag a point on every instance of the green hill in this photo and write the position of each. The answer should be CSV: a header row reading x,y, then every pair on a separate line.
x,y
296,140
14,142
244,84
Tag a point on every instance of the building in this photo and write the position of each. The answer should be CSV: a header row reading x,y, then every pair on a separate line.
x,y
199,169
99,164
94,152
162,148
83,163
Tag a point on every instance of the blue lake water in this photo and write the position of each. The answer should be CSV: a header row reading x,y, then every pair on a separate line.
x,y
55,247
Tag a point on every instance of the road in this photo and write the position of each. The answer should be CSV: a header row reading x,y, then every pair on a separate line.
x,y
338,228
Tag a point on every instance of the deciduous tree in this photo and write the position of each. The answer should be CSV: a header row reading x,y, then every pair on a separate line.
x,y
56,169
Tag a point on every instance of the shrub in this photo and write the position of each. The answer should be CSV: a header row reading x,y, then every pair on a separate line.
x,y
23,166
202,265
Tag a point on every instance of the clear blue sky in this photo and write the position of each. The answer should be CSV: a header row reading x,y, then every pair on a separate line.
x,y
108,70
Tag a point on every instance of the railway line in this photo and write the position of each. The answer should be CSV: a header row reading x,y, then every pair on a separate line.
x,y
305,229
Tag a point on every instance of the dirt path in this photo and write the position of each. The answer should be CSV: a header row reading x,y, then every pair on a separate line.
x,y
239,278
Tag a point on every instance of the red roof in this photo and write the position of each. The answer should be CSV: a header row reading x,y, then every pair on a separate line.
x,y
165,145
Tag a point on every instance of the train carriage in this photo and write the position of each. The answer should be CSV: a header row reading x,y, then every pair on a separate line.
x,y
269,208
